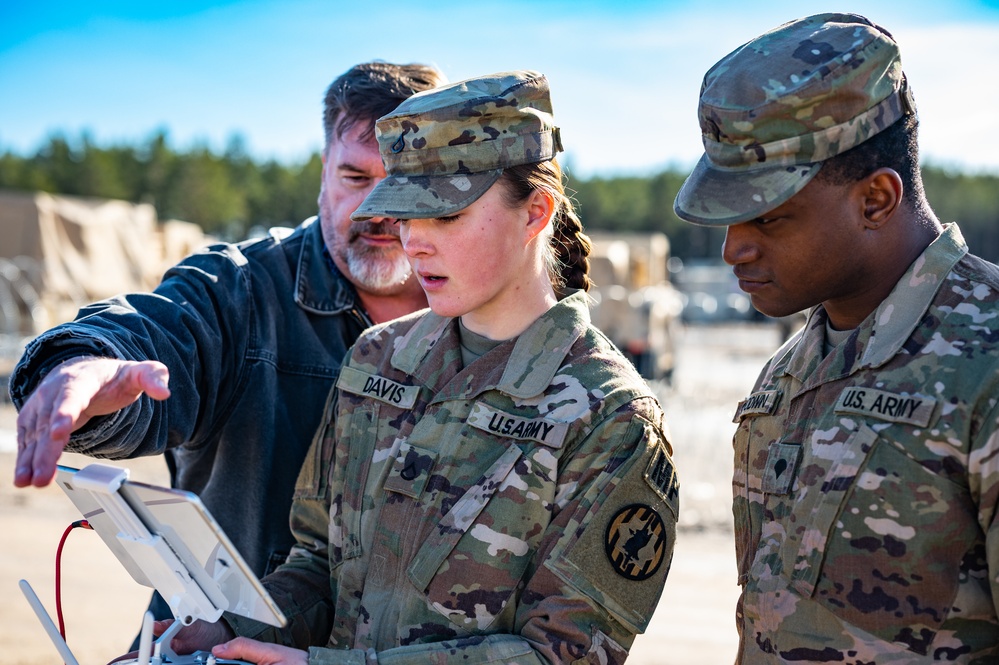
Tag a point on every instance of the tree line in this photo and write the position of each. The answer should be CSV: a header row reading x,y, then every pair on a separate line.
x,y
230,195
227,193
646,204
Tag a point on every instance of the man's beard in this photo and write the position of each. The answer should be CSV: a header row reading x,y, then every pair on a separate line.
x,y
375,269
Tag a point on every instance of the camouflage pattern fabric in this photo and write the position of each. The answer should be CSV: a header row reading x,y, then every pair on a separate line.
x,y
866,481
772,110
443,148
521,509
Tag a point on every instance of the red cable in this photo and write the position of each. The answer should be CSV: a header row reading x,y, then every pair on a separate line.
x,y
79,524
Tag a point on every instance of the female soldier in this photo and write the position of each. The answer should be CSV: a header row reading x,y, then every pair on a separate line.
x,y
492,481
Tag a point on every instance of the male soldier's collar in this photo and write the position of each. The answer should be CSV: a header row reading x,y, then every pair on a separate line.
x,y
899,314
882,334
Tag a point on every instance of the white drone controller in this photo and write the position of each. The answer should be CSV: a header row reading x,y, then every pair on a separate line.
x,y
165,539
151,653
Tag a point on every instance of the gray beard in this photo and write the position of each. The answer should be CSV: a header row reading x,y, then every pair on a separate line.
x,y
373,269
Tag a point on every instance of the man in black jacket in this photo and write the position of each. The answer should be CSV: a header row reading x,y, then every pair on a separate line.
x,y
226,366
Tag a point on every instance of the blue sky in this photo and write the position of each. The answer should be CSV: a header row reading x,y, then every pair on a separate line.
x,y
624,74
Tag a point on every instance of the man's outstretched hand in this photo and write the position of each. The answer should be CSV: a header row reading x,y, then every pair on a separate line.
x,y
67,398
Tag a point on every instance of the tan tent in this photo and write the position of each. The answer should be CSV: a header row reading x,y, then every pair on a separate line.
x,y
74,250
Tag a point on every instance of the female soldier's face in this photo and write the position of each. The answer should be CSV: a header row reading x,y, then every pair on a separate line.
x,y
475,263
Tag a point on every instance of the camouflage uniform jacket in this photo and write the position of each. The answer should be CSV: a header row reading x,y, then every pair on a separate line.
x,y
866,482
521,509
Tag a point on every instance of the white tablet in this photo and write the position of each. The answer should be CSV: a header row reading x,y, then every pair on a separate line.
x,y
166,539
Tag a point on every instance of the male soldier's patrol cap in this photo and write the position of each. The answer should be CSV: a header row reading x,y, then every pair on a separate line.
x,y
775,108
443,148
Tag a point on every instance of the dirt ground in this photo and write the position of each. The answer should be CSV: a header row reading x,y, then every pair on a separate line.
x,y
692,624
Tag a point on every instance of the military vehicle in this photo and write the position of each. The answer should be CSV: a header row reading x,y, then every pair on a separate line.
x,y
635,304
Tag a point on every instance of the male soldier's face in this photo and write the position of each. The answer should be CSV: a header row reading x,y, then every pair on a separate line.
x,y
368,253
807,251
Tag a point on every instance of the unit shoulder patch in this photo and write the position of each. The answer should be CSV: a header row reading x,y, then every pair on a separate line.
x,y
636,542
621,552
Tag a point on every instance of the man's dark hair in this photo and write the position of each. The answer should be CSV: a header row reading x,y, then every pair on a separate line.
x,y
368,91
897,147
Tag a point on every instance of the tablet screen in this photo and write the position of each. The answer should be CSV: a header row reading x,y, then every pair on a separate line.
x,y
166,539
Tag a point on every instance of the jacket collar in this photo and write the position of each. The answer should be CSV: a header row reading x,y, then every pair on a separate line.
x,y
881,335
903,309
319,286
522,368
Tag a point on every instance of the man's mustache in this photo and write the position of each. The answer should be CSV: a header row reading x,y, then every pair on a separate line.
x,y
373,228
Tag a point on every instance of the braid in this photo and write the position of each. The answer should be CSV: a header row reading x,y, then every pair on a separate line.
x,y
572,247
568,247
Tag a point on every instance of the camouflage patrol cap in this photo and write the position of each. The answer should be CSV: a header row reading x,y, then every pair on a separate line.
x,y
775,108
443,148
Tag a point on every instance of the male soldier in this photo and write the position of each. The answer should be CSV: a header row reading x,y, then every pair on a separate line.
x,y
867,456
251,337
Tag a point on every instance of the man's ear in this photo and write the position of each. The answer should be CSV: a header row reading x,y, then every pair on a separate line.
x,y
540,208
882,195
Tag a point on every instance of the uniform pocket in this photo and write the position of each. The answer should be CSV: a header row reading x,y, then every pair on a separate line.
x,y
893,554
743,538
475,558
313,477
750,450
349,476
